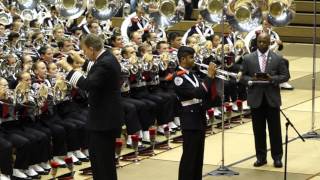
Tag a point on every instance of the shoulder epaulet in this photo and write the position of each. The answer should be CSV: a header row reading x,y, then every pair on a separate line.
x,y
170,76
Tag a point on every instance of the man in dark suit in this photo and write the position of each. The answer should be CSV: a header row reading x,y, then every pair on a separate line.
x,y
193,95
105,111
264,99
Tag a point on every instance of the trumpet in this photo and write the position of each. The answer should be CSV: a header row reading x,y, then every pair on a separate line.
x,y
221,74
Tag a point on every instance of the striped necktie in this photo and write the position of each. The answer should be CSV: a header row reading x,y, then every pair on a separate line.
x,y
263,62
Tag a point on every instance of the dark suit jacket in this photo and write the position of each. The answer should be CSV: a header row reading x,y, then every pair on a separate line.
x,y
279,74
103,87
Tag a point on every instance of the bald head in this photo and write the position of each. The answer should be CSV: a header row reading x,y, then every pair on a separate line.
x,y
263,42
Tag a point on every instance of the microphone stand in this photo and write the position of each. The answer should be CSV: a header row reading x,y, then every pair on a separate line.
x,y
313,133
222,170
288,123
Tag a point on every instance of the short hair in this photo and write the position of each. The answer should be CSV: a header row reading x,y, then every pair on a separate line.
x,y
53,8
159,44
35,34
185,51
172,36
61,42
132,33
94,21
189,39
113,38
93,41
43,49
19,76
56,28
36,64
124,50
13,35
145,36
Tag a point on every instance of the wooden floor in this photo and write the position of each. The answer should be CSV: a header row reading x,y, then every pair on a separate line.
x,y
303,157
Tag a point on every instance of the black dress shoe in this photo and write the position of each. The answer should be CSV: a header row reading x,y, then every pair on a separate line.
x,y
84,159
77,163
277,164
259,163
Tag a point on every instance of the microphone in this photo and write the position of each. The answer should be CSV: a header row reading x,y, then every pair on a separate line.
x,y
250,83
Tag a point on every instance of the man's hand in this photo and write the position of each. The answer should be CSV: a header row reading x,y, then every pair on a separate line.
x,y
65,65
76,56
212,70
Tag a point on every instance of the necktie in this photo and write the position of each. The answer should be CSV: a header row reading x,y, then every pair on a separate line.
x,y
263,62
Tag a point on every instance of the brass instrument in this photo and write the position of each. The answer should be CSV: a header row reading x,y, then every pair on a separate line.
x,y
21,93
211,10
8,70
281,12
105,9
246,14
27,4
71,9
42,94
5,18
131,66
59,90
221,74
169,12
161,61
28,15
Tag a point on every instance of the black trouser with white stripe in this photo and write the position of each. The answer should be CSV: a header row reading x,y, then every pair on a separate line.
x,y
131,117
162,104
57,132
24,150
146,110
5,156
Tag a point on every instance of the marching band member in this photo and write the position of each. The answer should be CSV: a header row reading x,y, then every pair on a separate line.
x,y
193,95
74,127
116,40
52,21
200,28
10,139
85,22
137,84
136,38
134,22
138,117
153,84
94,27
25,126
170,65
5,158
174,40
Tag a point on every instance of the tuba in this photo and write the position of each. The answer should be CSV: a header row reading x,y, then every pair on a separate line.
x,y
169,12
211,10
245,15
105,9
71,9
5,18
27,4
28,15
280,12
